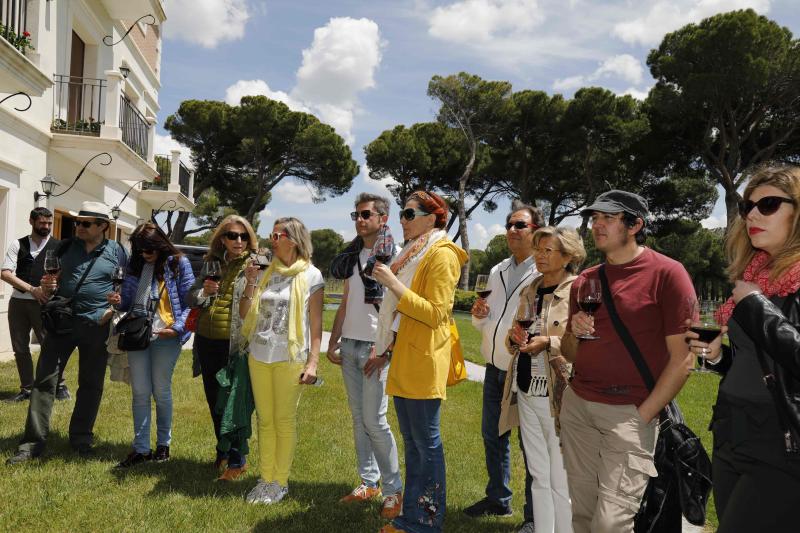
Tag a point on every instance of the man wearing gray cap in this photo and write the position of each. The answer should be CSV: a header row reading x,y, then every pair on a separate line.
x,y
609,418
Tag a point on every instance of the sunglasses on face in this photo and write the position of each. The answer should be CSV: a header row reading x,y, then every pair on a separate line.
x,y
86,223
148,251
411,213
275,235
767,205
233,235
365,214
519,225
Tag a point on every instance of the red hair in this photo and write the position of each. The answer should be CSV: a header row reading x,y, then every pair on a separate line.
x,y
433,204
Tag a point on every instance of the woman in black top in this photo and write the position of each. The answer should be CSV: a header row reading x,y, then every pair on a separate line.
x,y
756,462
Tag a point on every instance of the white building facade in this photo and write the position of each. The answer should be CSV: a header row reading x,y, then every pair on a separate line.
x,y
93,76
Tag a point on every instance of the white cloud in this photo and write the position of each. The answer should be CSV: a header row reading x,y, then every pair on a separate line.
x,y
664,16
636,93
469,21
481,235
714,222
622,66
347,234
206,22
164,144
293,193
234,93
340,63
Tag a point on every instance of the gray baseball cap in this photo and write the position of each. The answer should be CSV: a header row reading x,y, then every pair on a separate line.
x,y
615,201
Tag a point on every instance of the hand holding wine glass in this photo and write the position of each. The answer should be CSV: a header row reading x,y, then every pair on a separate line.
x,y
590,296
704,325
481,282
212,275
525,318
52,269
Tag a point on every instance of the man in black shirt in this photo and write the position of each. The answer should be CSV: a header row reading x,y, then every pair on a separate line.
x,y
23,268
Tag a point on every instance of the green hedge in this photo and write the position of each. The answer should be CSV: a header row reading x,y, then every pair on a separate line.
x,y
463,300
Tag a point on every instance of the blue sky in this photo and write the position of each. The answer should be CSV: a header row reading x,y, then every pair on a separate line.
x,y
363,67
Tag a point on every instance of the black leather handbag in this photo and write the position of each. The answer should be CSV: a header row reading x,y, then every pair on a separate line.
x,y
683,483
58,311
135,331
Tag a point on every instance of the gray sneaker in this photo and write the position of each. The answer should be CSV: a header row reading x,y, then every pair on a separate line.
x,y
527,527
260,493
277,492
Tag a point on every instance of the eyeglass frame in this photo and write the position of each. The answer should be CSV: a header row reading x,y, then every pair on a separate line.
x,y
746,206
416,212
243,236
273,237
355,215
516,225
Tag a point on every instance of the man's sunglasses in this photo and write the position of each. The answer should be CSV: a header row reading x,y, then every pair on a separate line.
x,y
767,205
365,214
233,235
411,214
86,223
520,225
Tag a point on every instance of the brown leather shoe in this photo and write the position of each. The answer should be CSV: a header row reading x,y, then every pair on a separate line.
x,y
392,505
362,493
231,473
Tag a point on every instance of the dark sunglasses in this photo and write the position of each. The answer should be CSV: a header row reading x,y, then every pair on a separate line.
x,y
86,223
232,236
520,225
365,214
149,250
766,205
411,214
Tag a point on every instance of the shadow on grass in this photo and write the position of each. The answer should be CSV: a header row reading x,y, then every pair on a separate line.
x,y
58,446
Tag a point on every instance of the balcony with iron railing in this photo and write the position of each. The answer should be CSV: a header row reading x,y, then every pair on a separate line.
x,y
14,23
174,183
18,65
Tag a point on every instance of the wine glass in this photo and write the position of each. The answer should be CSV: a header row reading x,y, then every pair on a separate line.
x,y
702,313
212,270
481,280
590,296
118,277
526,316
52,264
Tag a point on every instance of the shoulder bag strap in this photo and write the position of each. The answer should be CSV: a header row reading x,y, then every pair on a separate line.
x,y
624,334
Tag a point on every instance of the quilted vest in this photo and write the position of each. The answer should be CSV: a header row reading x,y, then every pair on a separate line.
x,y
215,321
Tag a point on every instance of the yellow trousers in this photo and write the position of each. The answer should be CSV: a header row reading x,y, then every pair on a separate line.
x,y
276,390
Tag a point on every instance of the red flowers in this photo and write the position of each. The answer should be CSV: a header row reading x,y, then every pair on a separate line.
x,y
26,34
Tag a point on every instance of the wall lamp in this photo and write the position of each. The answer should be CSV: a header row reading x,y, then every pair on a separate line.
x,y
49,183
116,211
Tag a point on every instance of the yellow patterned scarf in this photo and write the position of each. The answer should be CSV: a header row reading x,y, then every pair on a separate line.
x,y
297,294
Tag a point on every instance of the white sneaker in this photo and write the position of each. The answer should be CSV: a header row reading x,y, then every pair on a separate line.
x,y
277,492
261,493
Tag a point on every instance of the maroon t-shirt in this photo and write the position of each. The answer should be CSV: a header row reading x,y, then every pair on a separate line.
x,y
650,295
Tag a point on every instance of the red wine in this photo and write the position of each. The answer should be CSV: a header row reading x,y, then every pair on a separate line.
x,y
383,258
525,323
590,305
484,294
213,277
53,271
117,281
707,333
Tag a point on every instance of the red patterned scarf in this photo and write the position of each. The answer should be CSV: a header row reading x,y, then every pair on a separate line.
x,y
755,272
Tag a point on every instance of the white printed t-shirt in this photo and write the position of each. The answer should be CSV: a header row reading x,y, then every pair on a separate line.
x,y
270,342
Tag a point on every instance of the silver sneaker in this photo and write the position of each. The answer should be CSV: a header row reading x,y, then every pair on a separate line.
x,y
261,493
277,493
527,527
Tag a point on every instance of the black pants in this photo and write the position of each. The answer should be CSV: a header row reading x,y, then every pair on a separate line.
x,y
213,357
90,340
752,495
25,316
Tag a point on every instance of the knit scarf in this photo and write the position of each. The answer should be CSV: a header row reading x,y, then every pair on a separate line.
x,y
757,271
144,289
297,293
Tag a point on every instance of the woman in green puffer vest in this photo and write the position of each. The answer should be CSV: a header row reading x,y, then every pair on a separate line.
x,y
216,338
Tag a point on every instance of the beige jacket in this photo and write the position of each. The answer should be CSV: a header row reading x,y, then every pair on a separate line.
x,y
559,370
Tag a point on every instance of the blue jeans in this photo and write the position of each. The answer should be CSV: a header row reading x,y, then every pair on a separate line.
x,y
151,375
497,447
424,498
376,449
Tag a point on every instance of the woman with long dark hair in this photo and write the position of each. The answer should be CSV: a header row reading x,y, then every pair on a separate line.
x,y
756,420
158,279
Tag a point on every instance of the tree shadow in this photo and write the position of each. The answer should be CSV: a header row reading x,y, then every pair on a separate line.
x,y
58,446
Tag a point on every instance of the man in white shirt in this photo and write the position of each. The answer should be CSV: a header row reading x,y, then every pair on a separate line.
x,y
23,268
493,316
364,371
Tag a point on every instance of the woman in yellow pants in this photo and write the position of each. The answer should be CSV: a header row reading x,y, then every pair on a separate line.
x,y
282,314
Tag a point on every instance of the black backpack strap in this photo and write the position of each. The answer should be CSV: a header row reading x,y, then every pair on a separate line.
x,y
624,334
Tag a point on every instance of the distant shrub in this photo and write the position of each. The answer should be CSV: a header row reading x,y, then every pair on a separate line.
x,y
463,300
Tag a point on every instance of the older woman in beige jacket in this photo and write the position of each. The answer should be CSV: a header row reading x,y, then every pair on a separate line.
x,y
538,373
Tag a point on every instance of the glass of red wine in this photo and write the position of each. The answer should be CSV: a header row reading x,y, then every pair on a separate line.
x,y
590,296
52,264
212,271
526,316
702,313
118,277
481,282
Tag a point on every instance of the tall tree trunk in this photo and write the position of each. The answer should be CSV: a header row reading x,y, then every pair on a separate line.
x,y
179,229
731,206
462,215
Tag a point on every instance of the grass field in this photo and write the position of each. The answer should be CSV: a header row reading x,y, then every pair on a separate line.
x,y
62,492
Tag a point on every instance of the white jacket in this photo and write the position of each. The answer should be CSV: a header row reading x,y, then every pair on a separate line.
x,y
502,311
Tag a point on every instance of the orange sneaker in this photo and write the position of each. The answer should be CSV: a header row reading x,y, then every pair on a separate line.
x,y
392,504
389,528
362,493
231,474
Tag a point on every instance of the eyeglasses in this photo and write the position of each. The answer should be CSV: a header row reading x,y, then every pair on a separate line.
x,y
233,235
365,214
547,252
411,214
148,251
275,235
767,205
86,223
520,225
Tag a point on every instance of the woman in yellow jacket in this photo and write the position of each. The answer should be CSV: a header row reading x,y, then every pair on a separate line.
x,y
414,332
